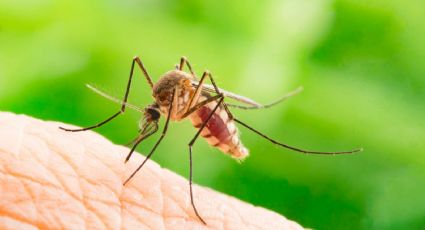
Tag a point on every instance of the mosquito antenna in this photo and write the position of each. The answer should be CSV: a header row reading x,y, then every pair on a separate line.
x,y
283,98
294,148
112,98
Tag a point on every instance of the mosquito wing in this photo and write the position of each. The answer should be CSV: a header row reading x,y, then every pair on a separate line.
x,y
245,100
252,104
112,98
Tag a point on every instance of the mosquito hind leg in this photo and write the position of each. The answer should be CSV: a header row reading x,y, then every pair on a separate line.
x,y
231,117
191,143
291,147
296,149
124,101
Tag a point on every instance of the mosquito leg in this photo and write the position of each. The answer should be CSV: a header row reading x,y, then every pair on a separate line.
x,y
190,156
291,147
175,99
290,94
94,126
133,141
124,101
194,98
196,94
218,92
139,139
192,107
200,104
184,60
142,67
164,131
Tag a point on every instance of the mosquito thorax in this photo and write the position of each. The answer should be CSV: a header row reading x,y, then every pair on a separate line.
x,y
163,89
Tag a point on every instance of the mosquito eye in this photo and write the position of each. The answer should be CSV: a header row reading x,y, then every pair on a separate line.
x,y
154,114
163,98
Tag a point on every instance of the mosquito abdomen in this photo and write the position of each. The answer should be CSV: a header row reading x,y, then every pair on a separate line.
x,y
220,131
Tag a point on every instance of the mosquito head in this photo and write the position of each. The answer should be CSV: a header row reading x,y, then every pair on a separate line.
x,y
152,113
149,123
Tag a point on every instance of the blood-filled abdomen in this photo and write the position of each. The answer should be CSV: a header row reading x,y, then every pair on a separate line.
x,y
219,131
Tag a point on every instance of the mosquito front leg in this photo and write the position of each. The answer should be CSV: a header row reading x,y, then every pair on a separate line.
x,y
124,101
191,143
145,73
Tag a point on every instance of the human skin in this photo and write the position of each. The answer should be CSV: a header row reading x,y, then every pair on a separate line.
x,y
51,179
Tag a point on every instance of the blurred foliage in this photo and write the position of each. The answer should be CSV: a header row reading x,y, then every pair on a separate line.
x,y
362,64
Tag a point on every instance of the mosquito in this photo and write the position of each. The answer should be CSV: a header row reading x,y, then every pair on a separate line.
x,y
179,95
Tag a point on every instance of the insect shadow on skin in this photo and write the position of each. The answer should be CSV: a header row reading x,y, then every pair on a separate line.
x,y
179,95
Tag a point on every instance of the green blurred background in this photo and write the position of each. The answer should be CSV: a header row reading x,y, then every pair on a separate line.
x,y
361,63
